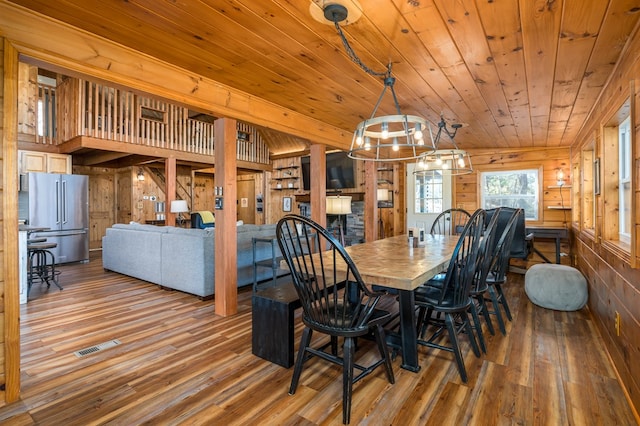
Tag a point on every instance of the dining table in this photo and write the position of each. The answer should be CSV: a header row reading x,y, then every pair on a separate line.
x,y
395,264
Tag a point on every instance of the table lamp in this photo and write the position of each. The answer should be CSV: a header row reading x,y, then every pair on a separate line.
x,y
179,206
383,195
339,205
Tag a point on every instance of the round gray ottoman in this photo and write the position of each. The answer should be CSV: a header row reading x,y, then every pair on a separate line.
x,y
558,287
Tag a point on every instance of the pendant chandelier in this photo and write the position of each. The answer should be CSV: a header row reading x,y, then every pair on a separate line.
x,y
388,137
447,161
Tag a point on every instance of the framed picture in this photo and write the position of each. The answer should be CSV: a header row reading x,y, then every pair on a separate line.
x,y
596,176
286,204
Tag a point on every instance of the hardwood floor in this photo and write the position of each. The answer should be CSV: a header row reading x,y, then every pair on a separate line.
x,y
179,363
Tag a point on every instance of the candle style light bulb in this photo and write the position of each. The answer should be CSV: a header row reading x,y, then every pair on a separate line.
x,y
418,133
460,160
395,144
385,130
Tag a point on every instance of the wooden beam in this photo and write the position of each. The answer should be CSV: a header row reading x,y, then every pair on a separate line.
x,y
170,189
318,189
9,218
226,235
371,211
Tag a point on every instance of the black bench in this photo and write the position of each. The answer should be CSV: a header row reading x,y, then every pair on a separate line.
x,y
272,323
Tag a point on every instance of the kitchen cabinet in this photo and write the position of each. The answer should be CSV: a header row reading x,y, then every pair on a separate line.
x,y
44,162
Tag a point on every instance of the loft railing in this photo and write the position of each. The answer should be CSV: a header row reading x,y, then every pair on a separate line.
x,y
99,111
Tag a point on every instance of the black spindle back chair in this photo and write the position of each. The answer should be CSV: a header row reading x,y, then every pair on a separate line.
x,y
497,274
335,301
453,297
450,222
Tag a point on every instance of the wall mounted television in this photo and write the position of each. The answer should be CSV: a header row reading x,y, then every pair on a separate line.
x,y
340,171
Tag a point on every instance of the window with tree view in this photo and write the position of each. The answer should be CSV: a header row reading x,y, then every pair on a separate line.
x,y
513,188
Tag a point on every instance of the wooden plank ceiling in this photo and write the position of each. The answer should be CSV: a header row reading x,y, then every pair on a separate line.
x,y
516,73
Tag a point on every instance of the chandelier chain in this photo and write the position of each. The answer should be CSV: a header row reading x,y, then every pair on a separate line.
x,y
354,57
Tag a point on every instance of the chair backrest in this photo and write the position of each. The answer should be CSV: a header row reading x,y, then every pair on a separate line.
x,y
501,254
450,222
462,267
520,247
199,223
330,288
485,252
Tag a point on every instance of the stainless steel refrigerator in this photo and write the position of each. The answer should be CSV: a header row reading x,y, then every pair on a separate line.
x,y
59,202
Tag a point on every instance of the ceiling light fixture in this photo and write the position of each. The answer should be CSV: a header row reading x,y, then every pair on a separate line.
x,y
388,137
448,161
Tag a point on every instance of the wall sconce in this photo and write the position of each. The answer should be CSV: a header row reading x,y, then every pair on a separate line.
x,y
560,177
140,175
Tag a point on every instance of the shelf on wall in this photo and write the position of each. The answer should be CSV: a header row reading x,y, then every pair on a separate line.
x,y
558,208
285,178
285,188
558,186
286,167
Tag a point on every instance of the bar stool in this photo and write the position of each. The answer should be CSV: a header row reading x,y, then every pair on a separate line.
x,y
42,264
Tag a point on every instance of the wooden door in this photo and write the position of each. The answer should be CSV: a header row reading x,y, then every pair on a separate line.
x,y
123,201
101,202
247,201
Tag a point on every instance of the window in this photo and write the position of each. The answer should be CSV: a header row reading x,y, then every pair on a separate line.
x,y
616,187
511,188
589,190
428,193
624,176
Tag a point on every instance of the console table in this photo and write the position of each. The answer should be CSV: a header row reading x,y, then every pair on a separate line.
x,y
554,232
273,263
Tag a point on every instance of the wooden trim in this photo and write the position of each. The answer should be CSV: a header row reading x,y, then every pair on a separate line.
x,y
9,224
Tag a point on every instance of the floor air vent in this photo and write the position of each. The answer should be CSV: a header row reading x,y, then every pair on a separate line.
x,y
97,348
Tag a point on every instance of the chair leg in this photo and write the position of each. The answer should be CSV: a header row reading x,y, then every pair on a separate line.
x,y
453,336
503,301
304,344
485,313
469,330
478,326
378,331
347,379
496,309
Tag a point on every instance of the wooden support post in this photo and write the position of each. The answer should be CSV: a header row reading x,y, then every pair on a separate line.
x,y
370,201
226,235
318,186
9,274
170,189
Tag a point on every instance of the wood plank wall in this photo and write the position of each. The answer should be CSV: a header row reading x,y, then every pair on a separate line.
x,y
614,286
466,188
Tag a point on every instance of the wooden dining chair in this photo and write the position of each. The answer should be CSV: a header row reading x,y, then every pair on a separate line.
x,y
450,222
335,302
452,296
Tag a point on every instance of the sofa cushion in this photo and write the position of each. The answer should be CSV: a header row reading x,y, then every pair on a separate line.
x,y
142,227
133,252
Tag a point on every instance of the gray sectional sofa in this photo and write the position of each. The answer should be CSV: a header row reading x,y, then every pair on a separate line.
x,y
181,259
